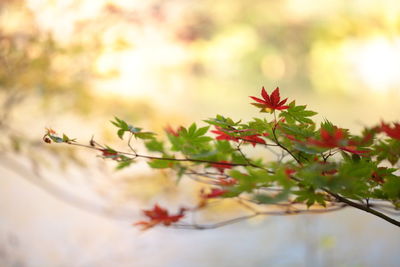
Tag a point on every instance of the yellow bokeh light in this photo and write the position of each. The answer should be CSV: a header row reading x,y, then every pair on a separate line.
x,y
357,64
273,66
377,63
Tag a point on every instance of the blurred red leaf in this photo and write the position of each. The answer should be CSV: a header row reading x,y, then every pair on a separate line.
x,y
333,140
392,132
159,215
220,166
215,192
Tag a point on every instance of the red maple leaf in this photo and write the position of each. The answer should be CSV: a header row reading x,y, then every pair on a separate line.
x,y
223,135
392,132
329,171
220,166
270,102
50,131
377,177
226,181
253,138
289,172
215,192
159,215
171,131
353,149
109,153
329,140
292,138
335,139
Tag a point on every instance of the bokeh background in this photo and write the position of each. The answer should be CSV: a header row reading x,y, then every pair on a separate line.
x,y
74,64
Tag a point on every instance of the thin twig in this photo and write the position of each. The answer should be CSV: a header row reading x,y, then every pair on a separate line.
x,y
243,218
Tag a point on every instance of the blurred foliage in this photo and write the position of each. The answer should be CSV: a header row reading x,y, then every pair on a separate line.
x,y
34,65
158,49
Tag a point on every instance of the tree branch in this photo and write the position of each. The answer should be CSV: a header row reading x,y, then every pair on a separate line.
x,y
363,207
243,218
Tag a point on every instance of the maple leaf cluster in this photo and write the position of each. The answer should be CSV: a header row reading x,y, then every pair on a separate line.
x,y
327,137
309,170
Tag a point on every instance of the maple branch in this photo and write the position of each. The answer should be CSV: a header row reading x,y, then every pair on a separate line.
x,y
136,155
363,207
393,212
199,180
213,226
247,206
241,152
255,214
209,175
283,147
130,145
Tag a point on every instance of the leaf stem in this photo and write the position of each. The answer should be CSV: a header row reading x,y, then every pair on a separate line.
x,y
283,147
